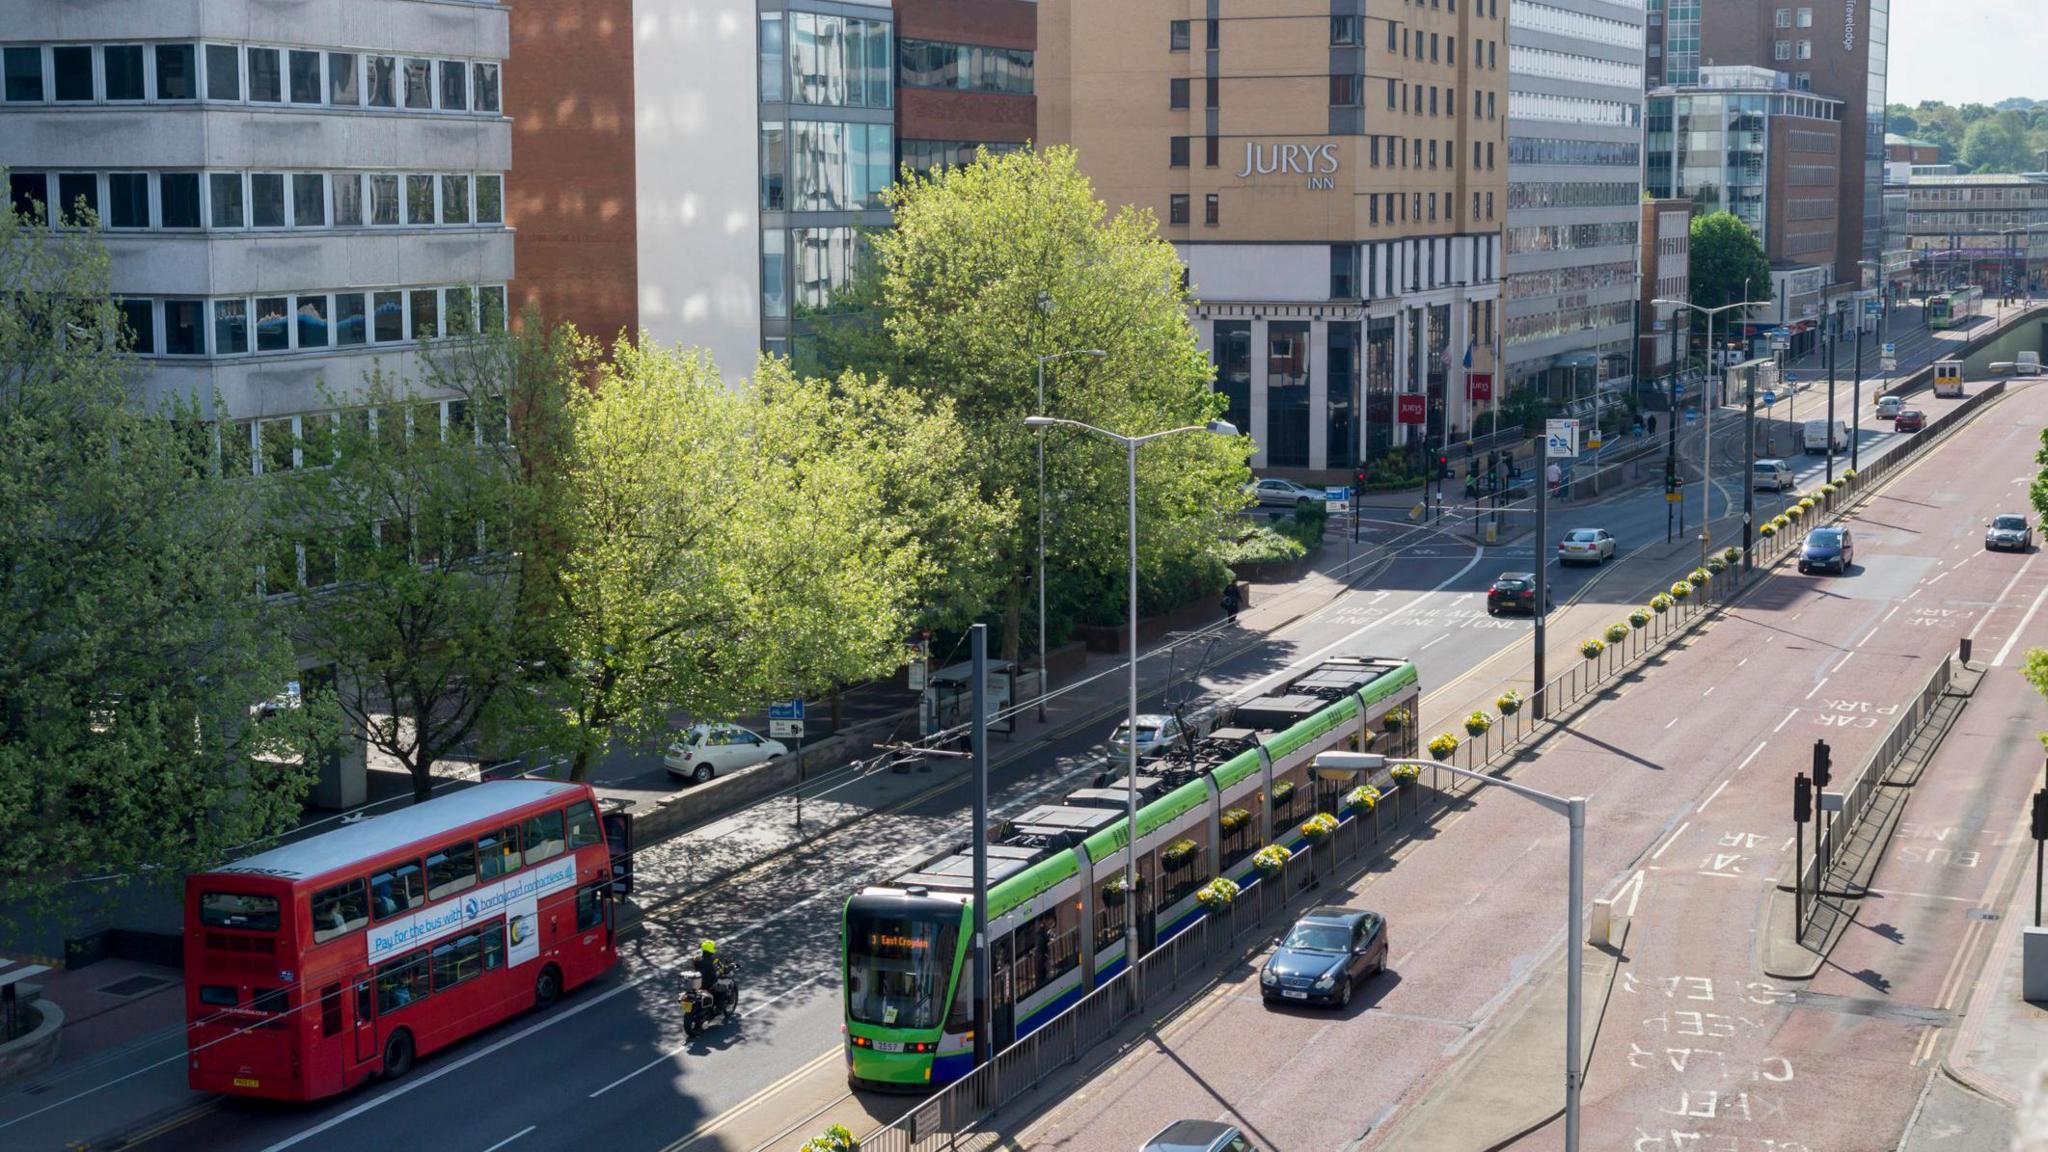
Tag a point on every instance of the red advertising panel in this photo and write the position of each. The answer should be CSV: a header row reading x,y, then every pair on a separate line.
x,y
1411,410
1479,385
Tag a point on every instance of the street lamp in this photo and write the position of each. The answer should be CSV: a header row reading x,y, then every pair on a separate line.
x,y
1131,445
1044,681
1708,402
1573,809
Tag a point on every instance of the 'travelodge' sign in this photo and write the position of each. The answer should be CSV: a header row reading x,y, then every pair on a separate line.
x,y
1318,162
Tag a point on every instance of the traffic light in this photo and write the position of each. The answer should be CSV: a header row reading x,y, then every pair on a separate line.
x,y
1443,465
1802,799
2041,814
1359,478
1670,476
1823,760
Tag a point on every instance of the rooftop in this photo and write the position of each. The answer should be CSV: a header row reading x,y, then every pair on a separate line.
x,y
1920,179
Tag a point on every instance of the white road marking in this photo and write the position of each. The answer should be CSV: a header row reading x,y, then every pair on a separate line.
x,y
1709,691
1634,888
1810,695
1890,614
1845,660
1670,722
1711,798
671,1053
1439,637
1752,755
2024,621
1670,840
2003,593
1741,662
511,1138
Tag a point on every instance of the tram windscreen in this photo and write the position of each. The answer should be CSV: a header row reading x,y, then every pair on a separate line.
x,y
899,963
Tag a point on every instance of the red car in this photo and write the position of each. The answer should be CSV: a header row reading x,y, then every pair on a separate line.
x,y
1512,592
1911,420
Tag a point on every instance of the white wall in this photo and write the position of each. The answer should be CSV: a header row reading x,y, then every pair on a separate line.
x,y
1247,272
696,179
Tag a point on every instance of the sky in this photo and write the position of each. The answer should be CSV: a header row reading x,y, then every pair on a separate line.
x,y
1967,51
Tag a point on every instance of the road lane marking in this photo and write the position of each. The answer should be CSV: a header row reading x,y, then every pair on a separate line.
x,y
1440,636
1890,614
2022,627
1710,799
1746,759
1741,662
1634,887
1810,695
2003,593
670,1054
1670,722
1845,660
1709,691
511,1138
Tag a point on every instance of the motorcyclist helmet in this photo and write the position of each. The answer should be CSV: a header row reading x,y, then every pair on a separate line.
x,y
709,947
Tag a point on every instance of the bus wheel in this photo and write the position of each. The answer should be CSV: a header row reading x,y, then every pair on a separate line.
x,y
398,1054
547,987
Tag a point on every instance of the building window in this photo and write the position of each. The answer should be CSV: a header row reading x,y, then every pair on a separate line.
x,y
840,61
71,68
1782,18
1233,344
1177,39
1209,146
309,200
965,67
1804,51
24,67
419,84
1346,31
771,64
178,200
1177,208
230,327
1210,210
128,200
1177,151
1347,91
1287,409
123,78
380,81
305,77
454,86
1212,92
1806,18
224,195
138,321
1344,267
384,200
177,72
78,197
1214,28
348,200
1781,49
1177,92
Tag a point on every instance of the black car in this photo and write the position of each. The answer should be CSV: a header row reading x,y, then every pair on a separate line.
x,y
1827,550
1512,592
1325,956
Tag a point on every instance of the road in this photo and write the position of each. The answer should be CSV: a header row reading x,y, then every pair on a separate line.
x,y
617,1071
1688,779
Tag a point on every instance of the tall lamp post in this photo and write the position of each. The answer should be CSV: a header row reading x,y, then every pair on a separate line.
x,y
1573,809
1044,683
1131,444
1707,405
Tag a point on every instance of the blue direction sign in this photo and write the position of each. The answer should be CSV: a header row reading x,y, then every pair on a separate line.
x,y
1677,389
786,710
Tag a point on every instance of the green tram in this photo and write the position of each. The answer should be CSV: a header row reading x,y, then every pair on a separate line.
x,y
1954,309
1057,906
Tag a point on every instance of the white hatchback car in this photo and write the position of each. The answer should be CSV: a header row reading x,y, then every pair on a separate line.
x,y
705,750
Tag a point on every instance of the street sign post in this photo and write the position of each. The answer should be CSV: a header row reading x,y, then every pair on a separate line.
x,y
786,722
1888,358
1560,439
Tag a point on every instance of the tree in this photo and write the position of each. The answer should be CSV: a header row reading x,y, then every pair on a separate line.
x,y
135,654
717,546
1998,143
1725,254
989,267
416,538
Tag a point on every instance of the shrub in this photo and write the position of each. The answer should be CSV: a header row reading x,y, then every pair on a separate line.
x,y
1262,545
1443,746
833,1139
1616,633
1395,720
1217,894
1638,619
1318,826
1592,649
1509,702
1272,858
1660,603
1477,724
1363,798
1681,590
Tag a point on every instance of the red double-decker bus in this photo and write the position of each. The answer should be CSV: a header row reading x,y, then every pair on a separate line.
x,y
313,966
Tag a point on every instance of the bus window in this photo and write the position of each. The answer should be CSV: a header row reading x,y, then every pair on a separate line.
x,y
583,828
500,852
543,837
457,960
494,946
400,890
238,910
451,870
590,905
401,981
339,910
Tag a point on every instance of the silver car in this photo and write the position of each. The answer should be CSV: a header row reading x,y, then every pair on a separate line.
x,y
1273,492
1198,1136
2009,531
1156,733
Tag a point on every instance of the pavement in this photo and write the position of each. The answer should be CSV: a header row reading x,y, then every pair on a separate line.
x,y
616,1050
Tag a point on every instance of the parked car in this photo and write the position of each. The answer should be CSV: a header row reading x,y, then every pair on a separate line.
x,y
1512,592
1827,550
2009,531
1889,407
1585,545
705,750
1199,1136
1324,957
1775,475
1910,420
1273,492
1156,733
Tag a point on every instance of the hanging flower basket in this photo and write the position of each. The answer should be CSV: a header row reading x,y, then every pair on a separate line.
x,y
1805,505
1731,555
1113,891
1660,603
1716,566
1282,789
833,1139
1443,746
1271,859
1179,854
1395,720
1233,819
1781,522
1509,702
1477,724
1638,619
1592,649
1699,577
1768,530
1848,473
1217,894
1616,633
1318,826
1362,799
1681,590
1405,773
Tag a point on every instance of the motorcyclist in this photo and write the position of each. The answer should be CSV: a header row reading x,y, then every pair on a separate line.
x,y
714,973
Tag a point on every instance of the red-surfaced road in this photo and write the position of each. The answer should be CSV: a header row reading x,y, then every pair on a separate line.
x,y
1688,776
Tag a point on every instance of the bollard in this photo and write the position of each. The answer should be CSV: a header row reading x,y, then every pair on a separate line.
x,y
1602,933
1965,651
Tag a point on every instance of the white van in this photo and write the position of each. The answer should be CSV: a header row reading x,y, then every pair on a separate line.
x,y
1889,407
2028,364
1816,435
1774,475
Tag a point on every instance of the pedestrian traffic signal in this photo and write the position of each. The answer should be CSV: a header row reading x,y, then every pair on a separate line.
x,y
2041,814
1443,465
1802,799
1823,760
1359,476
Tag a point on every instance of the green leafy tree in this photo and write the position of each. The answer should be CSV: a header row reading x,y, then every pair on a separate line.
x,y
415,534
717,546
1725,254
135,654
992,265
1998,143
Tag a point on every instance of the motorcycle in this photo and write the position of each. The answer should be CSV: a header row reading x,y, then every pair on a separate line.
x,y
702,1006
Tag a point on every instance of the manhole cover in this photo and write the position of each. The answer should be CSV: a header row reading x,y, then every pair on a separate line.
x,y
134,986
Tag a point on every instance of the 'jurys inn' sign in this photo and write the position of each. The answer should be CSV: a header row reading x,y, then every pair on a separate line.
x,y
1317,162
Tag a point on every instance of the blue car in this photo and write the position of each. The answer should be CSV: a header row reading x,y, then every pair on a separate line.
x,y
1827,550
1326,955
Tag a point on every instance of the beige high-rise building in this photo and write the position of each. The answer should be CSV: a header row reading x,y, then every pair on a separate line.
x,y
1334,172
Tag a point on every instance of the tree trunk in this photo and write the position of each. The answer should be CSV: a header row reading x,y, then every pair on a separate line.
x,y
1013,620
835,709
422,771
579,767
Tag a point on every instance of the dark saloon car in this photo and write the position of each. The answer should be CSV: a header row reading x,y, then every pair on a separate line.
x,y
1512,592
1827,550
1325,956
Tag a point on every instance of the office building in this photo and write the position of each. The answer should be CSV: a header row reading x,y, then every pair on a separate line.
x,y
1987,229
1667,275
290,194
1334,176
1575,155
